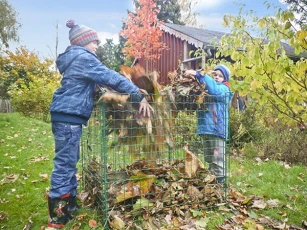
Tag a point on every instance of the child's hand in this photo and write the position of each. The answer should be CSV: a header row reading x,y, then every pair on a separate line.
x,y
145,108
191,72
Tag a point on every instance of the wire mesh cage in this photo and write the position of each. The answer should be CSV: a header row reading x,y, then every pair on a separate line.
x,y
137,170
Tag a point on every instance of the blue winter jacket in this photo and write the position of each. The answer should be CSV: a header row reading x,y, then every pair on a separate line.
x,y
82,72
214,119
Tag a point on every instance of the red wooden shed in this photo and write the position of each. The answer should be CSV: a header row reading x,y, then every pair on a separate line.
x,y
183,39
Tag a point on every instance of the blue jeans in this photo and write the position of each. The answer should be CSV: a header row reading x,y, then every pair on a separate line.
x,y
67,154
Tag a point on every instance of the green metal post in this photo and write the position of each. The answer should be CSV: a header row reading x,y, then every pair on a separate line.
x,y
104,157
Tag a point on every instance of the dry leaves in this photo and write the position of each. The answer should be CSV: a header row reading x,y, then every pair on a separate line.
x,y
164,196
9,179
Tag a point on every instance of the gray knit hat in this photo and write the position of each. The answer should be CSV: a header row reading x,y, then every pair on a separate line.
x,y
81,35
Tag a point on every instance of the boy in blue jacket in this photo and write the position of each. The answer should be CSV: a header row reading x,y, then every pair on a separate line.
x,y
71,107
213,122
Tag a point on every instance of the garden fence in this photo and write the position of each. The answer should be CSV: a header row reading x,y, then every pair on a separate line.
x,y
133,166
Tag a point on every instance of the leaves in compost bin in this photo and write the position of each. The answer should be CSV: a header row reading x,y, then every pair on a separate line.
x,y
142,203
203,222
144,193
151,223
116,222
192,163
188,92
138,185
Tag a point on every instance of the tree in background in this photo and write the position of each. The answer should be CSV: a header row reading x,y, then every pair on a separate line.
x,y
273,80
169,11
188,17
21,66
8,24
176,11
142,31
110,55
27,81
299,7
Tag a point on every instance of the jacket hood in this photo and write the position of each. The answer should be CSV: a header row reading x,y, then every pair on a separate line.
x,y
65,59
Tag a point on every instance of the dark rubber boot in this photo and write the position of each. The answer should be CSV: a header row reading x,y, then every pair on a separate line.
x,y
58,213
73,207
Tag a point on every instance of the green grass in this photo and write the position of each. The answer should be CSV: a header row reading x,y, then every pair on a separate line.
x,y
274,180
26,150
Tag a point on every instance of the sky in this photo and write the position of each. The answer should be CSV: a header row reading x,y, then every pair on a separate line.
x,y
39,19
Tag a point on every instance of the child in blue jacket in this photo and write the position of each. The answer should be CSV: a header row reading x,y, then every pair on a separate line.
x,y
71,107
213,122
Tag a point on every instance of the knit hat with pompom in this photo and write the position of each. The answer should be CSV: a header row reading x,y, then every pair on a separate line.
x,y
81,35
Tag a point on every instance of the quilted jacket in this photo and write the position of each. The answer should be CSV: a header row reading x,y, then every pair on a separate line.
x,y
215,118
81,70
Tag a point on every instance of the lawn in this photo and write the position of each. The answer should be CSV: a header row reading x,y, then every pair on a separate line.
x,y
259,188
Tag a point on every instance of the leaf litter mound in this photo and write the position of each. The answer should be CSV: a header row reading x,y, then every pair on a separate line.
x,y
173,196
165,196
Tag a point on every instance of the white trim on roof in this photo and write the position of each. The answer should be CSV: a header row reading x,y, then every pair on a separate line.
x,y
182,36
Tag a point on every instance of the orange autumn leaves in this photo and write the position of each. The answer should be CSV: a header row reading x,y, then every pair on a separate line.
x,y
143,33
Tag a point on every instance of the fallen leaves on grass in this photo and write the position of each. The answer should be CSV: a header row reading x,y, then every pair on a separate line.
x,y
39,158
245,218
9,179
3,215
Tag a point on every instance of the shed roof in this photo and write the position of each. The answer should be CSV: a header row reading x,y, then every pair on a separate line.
x,y
196,36
203,37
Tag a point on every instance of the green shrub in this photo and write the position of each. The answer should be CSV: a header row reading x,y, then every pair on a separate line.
x,y
256,133
286,143
34,97
245,127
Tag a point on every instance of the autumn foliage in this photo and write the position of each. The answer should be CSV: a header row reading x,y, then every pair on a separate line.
x,y
28,82
143,33
272,68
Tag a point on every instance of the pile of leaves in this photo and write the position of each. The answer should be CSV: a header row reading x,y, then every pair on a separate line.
x,y
139,196
189,93
175,196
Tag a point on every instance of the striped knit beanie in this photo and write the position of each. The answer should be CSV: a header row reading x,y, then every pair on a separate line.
x,y
81,35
